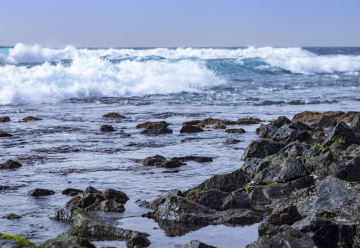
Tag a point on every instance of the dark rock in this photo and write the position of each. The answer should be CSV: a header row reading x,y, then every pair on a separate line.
x,y
355,124
64,213
288,134
325,121
31,118
236,130
191,123
351,149
2,187
11,241
354,173
231,141
4,119
226,182
294,149
12,217
212,198
66,240
116,195
280,121
237,200
271,236
171,171
138,242
300,126
343,134
107,128
266,131
320,164
3,134
41,192
112,206
197,244
309,116
169,164
149,123
355,152
157,128
219,126
150,161
114,115
248,121
191,129
287,215
10,164
198,159
261,149
239,217
90,189
68,191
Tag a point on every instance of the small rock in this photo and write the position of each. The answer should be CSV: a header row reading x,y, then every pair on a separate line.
x,y
171,171
64,213
149,123
235,130
157,128
197,244
3,134
31,118
114,115
169,164
248,121
107,128
10,164
261,149
71,191
191,129
150,161
117,195
138,242
4,119
2,187
231,141
12,217
41,192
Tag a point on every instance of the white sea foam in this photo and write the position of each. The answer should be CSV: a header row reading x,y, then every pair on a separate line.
x,y
90,76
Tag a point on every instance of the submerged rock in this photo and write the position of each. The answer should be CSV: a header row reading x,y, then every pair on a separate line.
x,y
4,119
191,129
149,123
71,191
169,164
107,128
10,164
150,161
248,121
31,118
41,192
12,217
4,134
114,115
237,130
197,244
157,128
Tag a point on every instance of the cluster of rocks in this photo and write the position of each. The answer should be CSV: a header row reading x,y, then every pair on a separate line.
x,y
161,162
303,180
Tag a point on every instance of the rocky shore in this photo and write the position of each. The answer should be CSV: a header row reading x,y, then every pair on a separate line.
x,y
300,180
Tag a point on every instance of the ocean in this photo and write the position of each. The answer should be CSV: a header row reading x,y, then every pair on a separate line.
x,y
71,88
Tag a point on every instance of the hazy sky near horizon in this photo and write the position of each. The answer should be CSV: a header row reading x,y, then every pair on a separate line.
x,y
170,23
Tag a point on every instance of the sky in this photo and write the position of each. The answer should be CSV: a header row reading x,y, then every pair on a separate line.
x,y
181,23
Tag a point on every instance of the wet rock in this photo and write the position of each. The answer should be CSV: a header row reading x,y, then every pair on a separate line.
x,y
157,128
171,171
300,126
143,203
281,236
355,124
266,131
138,242
31,118
294,149
2,187
10,164
12,241
4,134
326,121
355,152
191,129
239,217
114,115
197,244
343,134
150,161
288,134
286,215
261,149
212,198
354,173
235,130
280,121
169,164
198,159
212,121
309,116
12,217
237,200
107,128
112,206
41,192
231,141
71,191
149,123
219,126
248,121
4,119
92,190
225,182
66,240
116,195
191,123
64,213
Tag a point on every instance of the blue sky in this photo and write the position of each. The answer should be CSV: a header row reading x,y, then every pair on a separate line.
x,y
169,23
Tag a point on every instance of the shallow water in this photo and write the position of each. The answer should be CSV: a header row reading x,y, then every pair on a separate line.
x,y
66,148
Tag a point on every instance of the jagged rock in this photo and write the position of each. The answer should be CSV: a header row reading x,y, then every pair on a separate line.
x,y
239,217
107,128
355,152
64,213
226,182
280,121
4,119
286,215
12,217
354,173
191,129
138,242
197,244
31,118
149,123
116,195
157,128
288,134
261,149
169,164
320,164
88,200
41,192
150,161
266,131
355,124
236,130
92,190
299,126
237,200
114,115
294,149
271,236
326,121
212,198
4,134
248,121
10,164
69,191
112,206
343,134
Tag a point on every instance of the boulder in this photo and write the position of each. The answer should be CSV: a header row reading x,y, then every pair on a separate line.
x,y
300,126
157,128
191,129
343,134
31,118
112,206
354,173
64,213
355,124
281,236
107,128
116,195
92,190
326,121
285,215
10,164
4,119
266,131
197,244
288,134
41,192
280,121
235,130
261,149
169,164
149,123
71,191
4,134
212,198
114,115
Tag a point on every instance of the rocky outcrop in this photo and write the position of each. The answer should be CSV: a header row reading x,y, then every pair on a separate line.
x,y
309,116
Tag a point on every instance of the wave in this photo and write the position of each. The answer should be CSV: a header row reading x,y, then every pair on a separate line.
x,y
93,77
